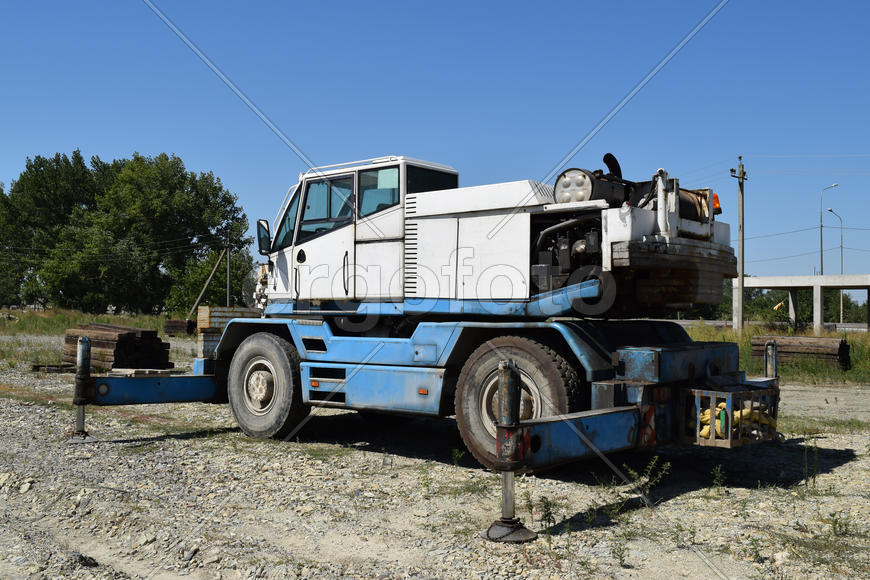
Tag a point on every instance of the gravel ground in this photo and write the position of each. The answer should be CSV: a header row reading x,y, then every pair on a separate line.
x,y
178,490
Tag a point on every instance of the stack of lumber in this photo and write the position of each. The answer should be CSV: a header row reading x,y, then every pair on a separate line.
x,y
789,348
179,327
114,346
210,324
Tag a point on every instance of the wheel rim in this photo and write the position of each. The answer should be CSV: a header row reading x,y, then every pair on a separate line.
x,y
259,386
530,400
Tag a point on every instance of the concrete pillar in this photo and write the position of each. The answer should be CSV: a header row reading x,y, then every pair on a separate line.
x,y
792,306
818,310
735,306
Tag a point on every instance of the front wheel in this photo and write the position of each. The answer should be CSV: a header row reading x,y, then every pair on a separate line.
x,y
264,386
549,385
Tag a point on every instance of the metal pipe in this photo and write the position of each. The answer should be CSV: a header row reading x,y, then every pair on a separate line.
x,y
83,375
508,416
661,201
508,501
508,528
841,259
771,369
561,226
508,394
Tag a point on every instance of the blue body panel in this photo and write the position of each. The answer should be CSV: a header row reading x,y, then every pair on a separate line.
x,y
671,364
555,440
203,366
554,303
387,388
431,344
158,389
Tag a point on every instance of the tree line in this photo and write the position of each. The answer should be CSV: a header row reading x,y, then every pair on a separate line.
x,y
137,235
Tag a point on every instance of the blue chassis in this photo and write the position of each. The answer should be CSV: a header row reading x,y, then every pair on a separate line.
x,y
408,374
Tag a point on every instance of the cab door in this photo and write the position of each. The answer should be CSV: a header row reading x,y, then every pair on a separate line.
x,y
281,280
323,253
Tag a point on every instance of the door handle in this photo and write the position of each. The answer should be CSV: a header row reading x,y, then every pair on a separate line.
x,y
296,282
344,269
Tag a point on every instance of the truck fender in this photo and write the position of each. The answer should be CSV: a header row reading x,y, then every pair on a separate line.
x,y
238,329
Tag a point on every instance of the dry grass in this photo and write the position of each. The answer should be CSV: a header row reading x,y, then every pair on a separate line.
x,y
807,371
56,321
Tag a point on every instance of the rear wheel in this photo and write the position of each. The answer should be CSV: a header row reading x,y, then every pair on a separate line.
x,y
264,386
549,385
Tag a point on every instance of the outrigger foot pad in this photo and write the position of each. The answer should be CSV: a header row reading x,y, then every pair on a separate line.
x,y
82,437
509,531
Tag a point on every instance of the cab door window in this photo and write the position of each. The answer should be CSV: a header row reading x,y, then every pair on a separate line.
x,y
328,205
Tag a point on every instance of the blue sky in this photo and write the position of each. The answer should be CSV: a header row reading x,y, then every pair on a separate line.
x,y
499,91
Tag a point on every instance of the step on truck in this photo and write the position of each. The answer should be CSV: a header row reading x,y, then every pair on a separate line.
x,y
391,289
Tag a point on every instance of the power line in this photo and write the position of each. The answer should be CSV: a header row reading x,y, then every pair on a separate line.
x,y
188,240
792,256
812,156
778,233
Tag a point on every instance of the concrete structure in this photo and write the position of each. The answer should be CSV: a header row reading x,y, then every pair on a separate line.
x,y
795,283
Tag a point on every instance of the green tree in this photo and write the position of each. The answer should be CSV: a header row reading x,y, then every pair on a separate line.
x,y
114,235
38,207
10,278
189,283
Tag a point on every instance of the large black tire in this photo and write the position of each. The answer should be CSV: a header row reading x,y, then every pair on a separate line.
x,y
265,389
550,385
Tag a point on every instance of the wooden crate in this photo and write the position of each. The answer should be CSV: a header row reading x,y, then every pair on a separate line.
x,y
218,316
731,416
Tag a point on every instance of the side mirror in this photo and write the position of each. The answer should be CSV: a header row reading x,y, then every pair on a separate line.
x,y
264,239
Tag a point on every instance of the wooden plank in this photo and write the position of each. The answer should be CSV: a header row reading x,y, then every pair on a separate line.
x,y
218,316
61,368
118,372
138,332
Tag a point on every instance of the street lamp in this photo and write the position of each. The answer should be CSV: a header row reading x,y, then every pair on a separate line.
x,y
841,260
821,234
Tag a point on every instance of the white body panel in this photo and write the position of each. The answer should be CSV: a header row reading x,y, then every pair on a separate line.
x,y
430,258
378,271
386,224
498,196
623,224
493,256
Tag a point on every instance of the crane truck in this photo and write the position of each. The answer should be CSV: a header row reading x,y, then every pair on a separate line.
x,y
389,288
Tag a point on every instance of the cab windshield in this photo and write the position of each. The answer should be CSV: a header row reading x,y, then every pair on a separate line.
x,y
284,233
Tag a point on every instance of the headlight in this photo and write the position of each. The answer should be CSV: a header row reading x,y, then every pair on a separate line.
x,y
573,185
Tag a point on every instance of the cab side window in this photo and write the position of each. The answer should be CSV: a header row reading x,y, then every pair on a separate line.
x,y
378,190
328,206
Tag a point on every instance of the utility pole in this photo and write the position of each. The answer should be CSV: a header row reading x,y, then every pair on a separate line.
x,y
740,175
228,269
839,217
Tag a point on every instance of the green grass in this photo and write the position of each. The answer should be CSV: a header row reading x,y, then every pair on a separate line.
x,y
16,352
816,425
800,371
56,321
325,451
